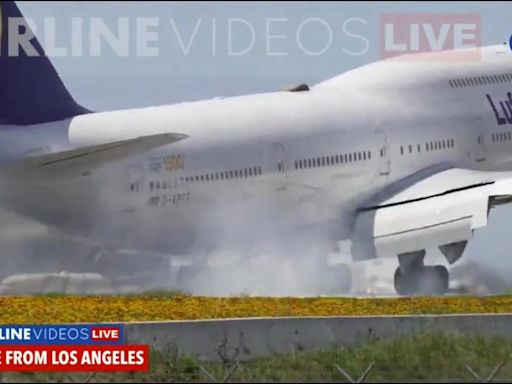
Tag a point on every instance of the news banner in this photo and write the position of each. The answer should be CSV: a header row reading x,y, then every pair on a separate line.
x,y
94,347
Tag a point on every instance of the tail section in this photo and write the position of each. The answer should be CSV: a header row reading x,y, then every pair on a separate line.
x,y
31,91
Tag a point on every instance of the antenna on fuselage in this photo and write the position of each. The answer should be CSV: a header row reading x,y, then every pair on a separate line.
x,y
296,88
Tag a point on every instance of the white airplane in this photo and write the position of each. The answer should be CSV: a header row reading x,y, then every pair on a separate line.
x,y
398,156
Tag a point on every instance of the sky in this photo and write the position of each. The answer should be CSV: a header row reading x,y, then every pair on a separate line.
x,y
209,49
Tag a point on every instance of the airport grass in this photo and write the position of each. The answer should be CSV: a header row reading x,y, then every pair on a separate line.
x,y
424,357
44,309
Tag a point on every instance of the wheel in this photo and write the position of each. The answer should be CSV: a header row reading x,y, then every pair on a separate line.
x,y
441,280
405,284
422,281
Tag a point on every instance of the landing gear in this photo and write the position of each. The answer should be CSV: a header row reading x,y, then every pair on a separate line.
x,y
412,277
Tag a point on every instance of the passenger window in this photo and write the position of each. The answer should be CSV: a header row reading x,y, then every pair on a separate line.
x,y
419,148
401,150
369,155
364,155
350,157
323,161
410,148
359,156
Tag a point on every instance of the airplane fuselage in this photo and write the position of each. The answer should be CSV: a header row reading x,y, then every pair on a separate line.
x,y
297,163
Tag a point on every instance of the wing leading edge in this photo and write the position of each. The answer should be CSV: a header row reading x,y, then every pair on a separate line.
x,y
80,161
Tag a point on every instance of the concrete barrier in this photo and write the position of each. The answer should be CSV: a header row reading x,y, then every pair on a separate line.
x,y
249,338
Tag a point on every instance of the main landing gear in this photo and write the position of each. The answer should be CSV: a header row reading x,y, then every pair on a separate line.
x,y
412,277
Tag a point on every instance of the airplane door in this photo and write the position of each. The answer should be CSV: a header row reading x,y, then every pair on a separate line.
x,y
382,152
478,129
135,177
275,161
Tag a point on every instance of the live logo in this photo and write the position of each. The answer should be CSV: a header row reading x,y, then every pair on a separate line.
x,y
402,33
105,334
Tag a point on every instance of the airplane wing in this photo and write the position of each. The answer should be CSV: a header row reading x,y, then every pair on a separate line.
x,y
431,208
81,161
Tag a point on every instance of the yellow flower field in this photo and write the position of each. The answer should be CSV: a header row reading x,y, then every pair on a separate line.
x,y
70,309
